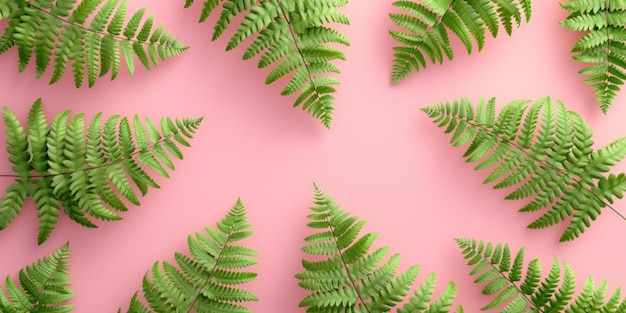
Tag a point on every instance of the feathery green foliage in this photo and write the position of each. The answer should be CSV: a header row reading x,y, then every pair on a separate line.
x,y
293,35
6,8
426,28
517,290
44,286
206,280
545,151
603,44
57,33
346,277
91,173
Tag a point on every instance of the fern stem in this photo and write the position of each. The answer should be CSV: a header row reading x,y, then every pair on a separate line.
x,y
217,258
430,29
297,47
137,151
345,267
519,289
608,50
93,31
562,172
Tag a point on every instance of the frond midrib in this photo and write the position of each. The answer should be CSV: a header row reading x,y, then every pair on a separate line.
x,y
217,258
396,80
540,163
512,283
54,271
91,168
345,266
325,118
102,33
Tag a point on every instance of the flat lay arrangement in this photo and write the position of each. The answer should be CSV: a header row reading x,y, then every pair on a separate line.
x,y
316,155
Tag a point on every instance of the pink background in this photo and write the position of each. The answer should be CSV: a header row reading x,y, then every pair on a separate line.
x,y
383,160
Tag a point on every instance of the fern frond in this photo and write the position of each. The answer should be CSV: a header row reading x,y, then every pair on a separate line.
x,y
44,286
350,278
56,32
426,27
602,45
293,36
545,151
206,280
89,173
553,293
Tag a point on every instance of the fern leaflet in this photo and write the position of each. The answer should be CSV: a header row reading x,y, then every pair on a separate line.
x,y
603,45
545,151
57,33
206,280
495,267
346,277
426,28
293,35
90,173
44,286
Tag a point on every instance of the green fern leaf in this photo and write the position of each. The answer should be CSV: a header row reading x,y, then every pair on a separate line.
x,y
425,28
293,36
545,152
207,280
89,173
601,46
552,293
56,32
44,286
351,279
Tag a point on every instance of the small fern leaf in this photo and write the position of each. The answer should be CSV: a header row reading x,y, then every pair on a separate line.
x,y
55,32
553,293
44,286
601,46
294,37
92,173
545,152
350,278
425,28
208,279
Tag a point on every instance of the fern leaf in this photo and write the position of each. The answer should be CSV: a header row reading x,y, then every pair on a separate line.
x,y
425,28
601,46
294,37
351,279
208,279
552,293
44,286
546,152
89,173
55,32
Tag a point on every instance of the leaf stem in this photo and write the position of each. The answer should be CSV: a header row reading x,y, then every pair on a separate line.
x,y
297,48
214,269
120,38
345,265
543,164
137,151
519,289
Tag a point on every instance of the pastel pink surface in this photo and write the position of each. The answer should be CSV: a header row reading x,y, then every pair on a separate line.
x,y
383,160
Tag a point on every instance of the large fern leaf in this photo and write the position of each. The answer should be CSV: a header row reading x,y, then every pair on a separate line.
x,y
91,37
426,28
515,289
207,279
92,173
346,276
44,286
603,44
545,151
292,34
